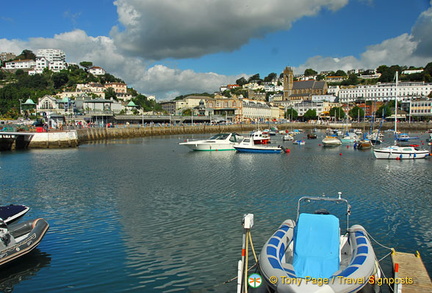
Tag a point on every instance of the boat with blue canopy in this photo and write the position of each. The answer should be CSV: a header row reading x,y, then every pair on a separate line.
x,y
309,254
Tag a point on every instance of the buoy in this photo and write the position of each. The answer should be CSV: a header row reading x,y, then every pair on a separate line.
x,y
340,154
347,146
319,144
287,151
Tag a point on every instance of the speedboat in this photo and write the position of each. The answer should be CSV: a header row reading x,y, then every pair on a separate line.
x,y
400,152
363,144
218,142
309,253
287,137
19,239
331,141
311,136
404,137
247,146
13,212
349,138
299,142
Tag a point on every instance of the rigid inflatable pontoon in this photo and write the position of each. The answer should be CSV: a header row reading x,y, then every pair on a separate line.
x,y
312,256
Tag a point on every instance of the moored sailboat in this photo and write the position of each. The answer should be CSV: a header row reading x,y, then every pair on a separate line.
x,y
395,151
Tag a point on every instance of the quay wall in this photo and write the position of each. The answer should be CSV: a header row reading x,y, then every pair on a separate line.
x,y
72,138
92,134
60,139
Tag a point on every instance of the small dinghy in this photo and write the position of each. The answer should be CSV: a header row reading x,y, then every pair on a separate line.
x,y
12,212
310,255
19,239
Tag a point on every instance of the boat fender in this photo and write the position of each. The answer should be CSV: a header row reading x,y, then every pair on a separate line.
x,y
6,239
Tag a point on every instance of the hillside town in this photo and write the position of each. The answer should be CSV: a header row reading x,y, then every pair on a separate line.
x,y
254,101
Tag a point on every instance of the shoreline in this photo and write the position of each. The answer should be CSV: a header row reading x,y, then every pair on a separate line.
x,y
74,137
130,131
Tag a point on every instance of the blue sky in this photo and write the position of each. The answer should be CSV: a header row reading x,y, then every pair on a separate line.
x,y
167,48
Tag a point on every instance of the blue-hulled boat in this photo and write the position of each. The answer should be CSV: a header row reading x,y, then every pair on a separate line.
x,y
310,254
247,146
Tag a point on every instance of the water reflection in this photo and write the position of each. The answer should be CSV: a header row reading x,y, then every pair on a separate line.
x,y
23,269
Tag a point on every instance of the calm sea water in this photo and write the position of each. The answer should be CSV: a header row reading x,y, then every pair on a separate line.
x,y
148,215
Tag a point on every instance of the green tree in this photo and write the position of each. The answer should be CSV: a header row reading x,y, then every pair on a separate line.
x,y
86,64
291,114
310,115
337,112
384,111
241,81
310,72
255,77
356,112
110,93
269,78
26,54
388,73
60,79
352,80
340,73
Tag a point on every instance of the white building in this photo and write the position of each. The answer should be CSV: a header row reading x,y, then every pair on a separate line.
x,y
20,64
421,108
407,91
53,59
256,110
96,70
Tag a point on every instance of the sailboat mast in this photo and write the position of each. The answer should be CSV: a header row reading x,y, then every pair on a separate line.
x,y
396,99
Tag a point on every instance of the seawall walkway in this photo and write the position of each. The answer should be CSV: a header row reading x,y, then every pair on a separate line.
x,y
73,138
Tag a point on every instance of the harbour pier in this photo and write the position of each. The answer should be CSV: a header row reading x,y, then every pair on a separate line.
x,y
410,274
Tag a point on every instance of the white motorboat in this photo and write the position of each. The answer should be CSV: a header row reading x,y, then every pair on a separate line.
x,y
309,254
299,142
399,152
247,146
218,142
331,141
287,137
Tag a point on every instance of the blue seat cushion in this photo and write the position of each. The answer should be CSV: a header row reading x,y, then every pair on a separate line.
x,y
316,246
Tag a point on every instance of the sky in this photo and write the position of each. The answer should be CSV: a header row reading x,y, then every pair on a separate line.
x,y
168,48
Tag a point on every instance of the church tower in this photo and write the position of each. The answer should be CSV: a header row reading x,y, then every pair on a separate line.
x,y
288,80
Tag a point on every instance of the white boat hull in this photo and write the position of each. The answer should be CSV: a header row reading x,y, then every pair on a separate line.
x,y
210,146
331,141
218,142
400,153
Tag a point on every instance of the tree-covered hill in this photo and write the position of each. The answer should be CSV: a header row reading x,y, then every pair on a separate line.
x,y
19,85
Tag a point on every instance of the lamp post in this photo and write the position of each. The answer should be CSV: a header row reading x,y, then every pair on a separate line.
x,y
20,101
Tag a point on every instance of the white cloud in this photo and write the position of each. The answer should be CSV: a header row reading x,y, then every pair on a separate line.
x,y
158,29
155,30
407,49
157,80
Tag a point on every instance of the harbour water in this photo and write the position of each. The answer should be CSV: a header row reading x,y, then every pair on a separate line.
x,y
148,215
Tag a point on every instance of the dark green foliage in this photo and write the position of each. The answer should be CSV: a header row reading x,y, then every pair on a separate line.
x,y
337,112
291,114
310,115
356,112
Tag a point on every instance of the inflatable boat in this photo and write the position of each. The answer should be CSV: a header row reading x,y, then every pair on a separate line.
x,y
310,254
19,239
